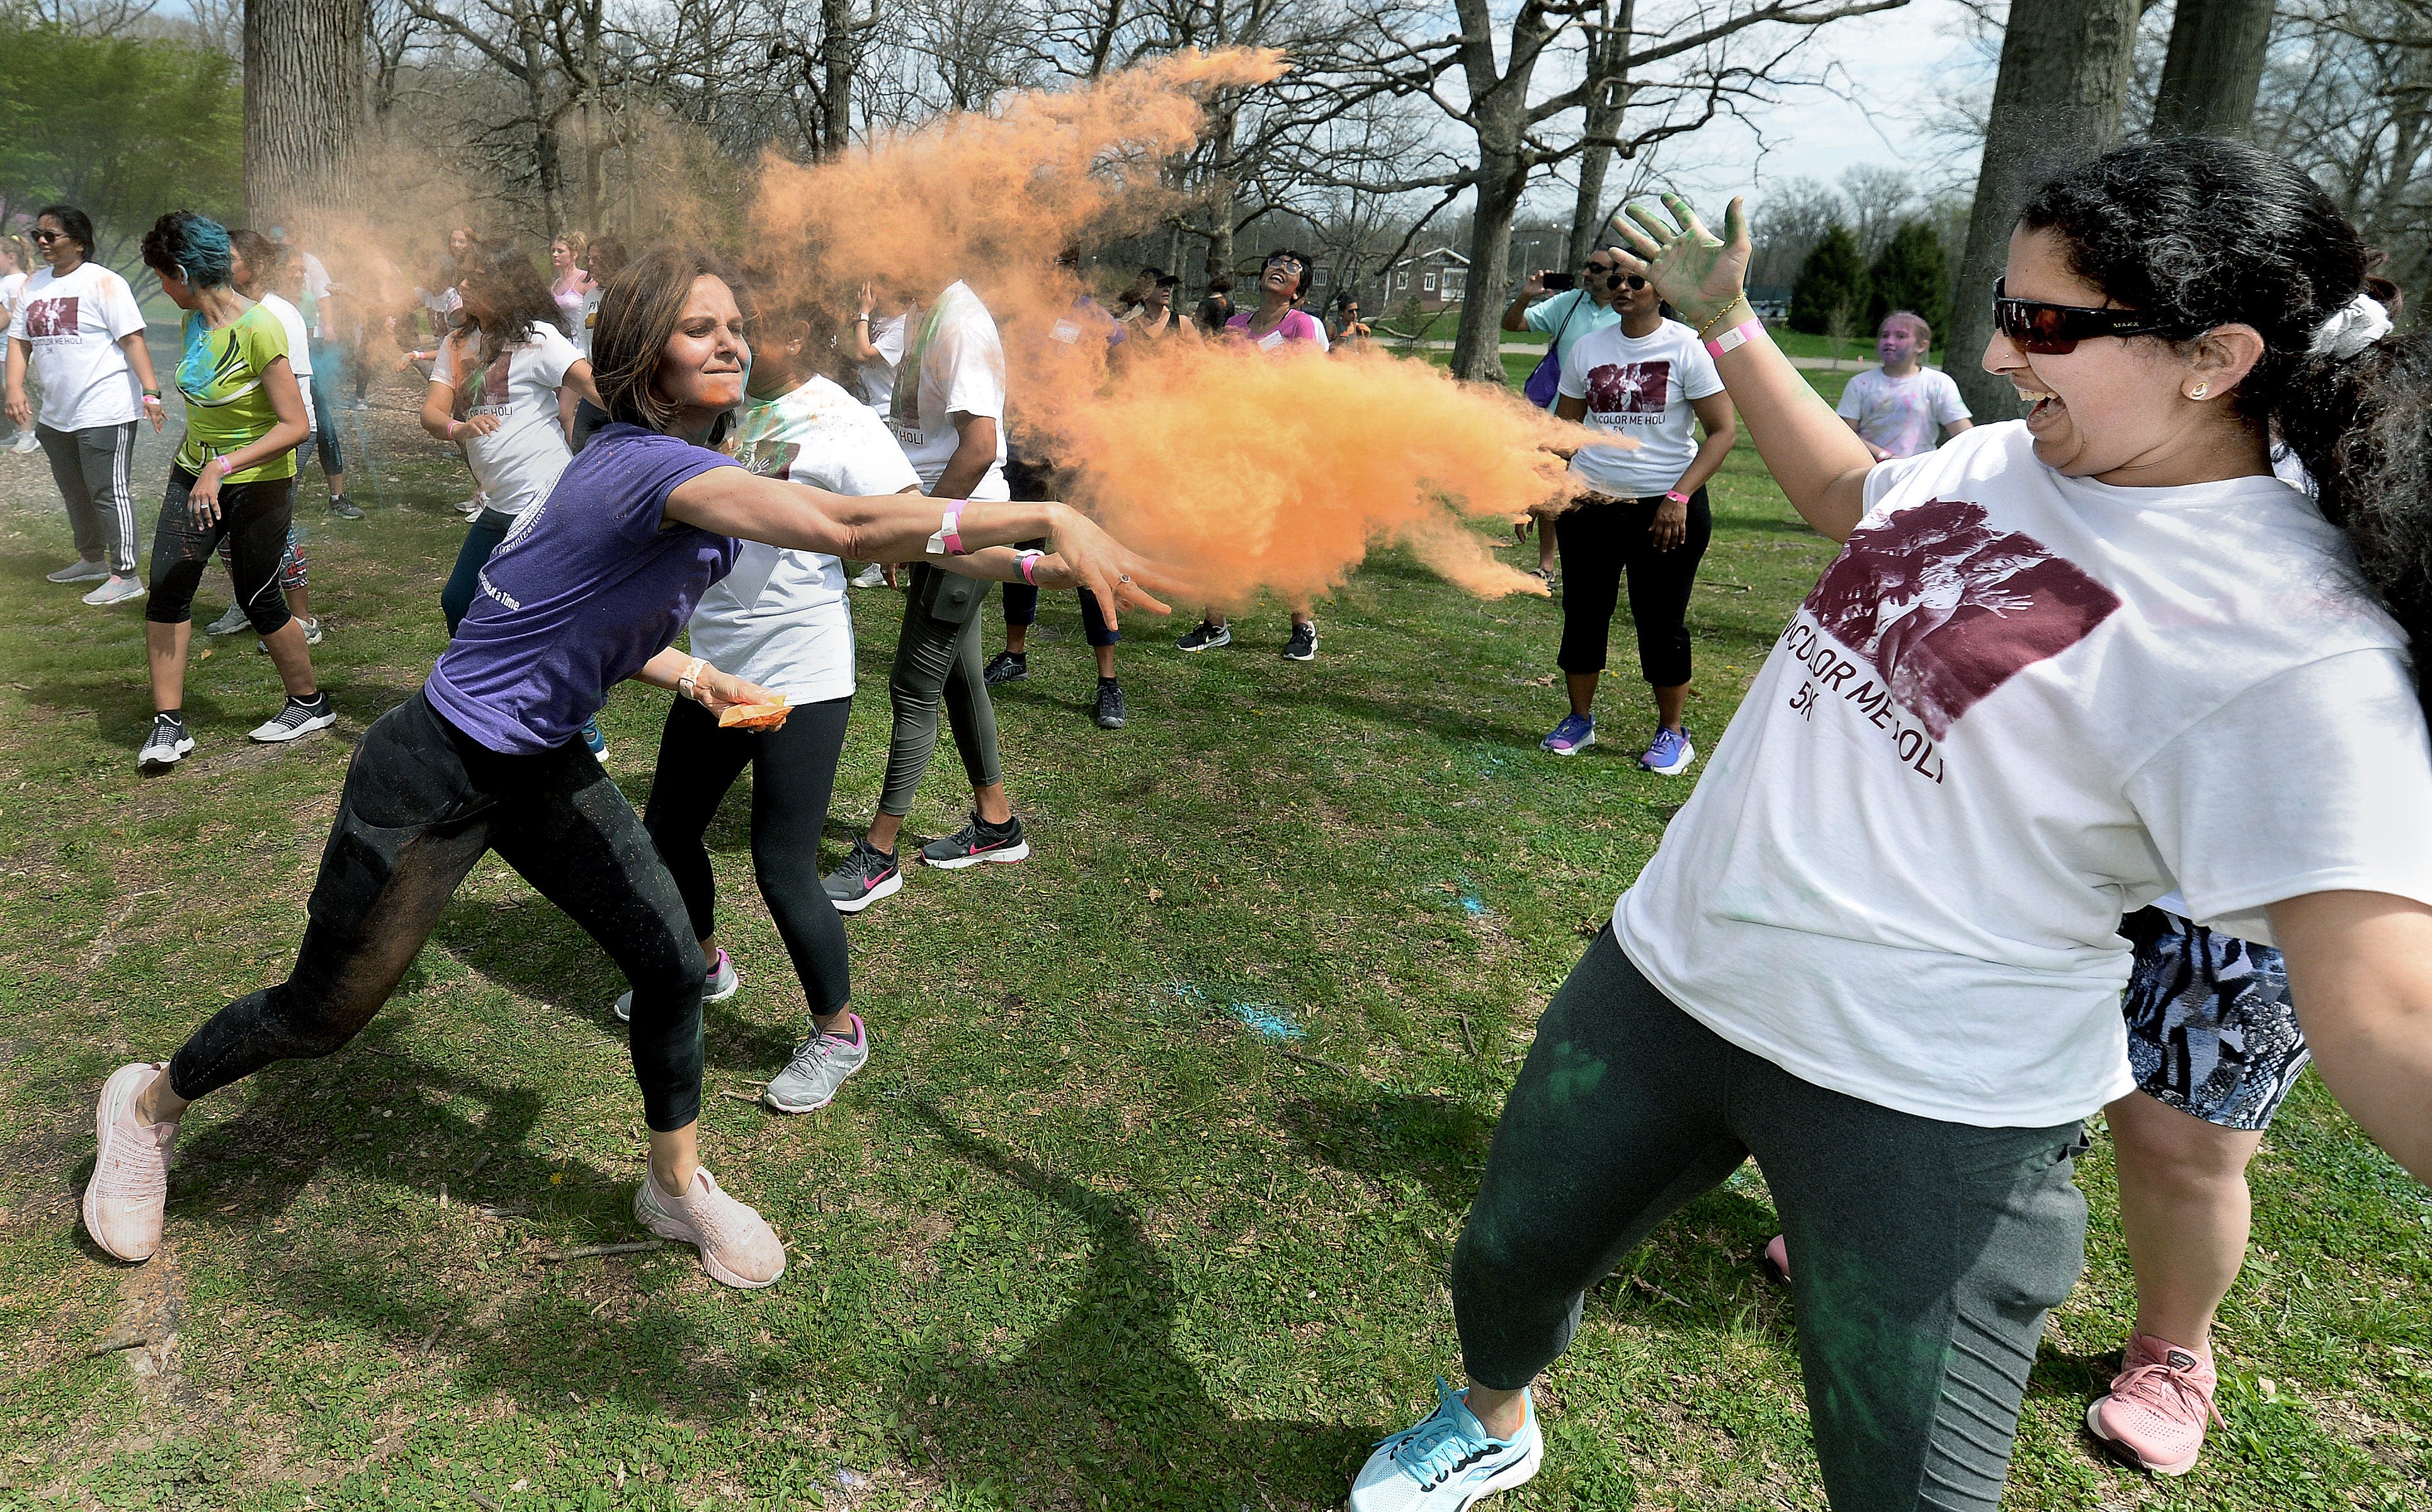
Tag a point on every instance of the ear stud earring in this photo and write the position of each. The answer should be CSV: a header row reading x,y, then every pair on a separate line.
x,y
2200,390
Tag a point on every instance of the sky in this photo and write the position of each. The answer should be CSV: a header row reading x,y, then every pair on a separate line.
x,y
1888,71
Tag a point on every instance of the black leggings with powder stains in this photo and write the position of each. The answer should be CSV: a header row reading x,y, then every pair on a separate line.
x,y
422,803
1928,1252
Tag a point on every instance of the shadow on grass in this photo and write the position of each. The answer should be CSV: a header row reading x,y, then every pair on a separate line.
x,y
1101,1403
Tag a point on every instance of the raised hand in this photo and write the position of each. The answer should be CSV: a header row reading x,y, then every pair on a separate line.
x,y
1699,273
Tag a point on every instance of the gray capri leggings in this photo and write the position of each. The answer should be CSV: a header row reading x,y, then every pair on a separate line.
x,y
933,658
1928,1252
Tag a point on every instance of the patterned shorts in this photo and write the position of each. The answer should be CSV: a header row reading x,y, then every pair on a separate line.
x,y
2210,1027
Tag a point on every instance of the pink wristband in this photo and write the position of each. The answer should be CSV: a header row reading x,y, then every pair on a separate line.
x,y
949,539
1028,563
1739,336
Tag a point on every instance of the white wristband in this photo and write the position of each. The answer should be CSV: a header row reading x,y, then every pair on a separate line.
x,y
687,683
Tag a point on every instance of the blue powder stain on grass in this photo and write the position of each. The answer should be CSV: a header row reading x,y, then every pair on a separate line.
x,y
1269,1020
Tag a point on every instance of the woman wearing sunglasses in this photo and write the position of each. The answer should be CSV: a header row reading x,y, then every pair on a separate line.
x,y
1583,308
1878,947
1640,512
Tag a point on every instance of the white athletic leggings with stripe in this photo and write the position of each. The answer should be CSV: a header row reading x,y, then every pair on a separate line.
x,y
91,467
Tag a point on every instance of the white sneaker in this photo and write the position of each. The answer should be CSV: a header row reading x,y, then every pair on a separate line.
x,y
296,718
166,744
725,982
312,633
28,444
117,590
231,622
872,576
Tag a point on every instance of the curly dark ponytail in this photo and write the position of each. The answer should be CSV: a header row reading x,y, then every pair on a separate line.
x,y
2205,233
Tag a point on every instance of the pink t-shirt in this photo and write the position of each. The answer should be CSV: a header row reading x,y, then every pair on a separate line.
x,y
1296,325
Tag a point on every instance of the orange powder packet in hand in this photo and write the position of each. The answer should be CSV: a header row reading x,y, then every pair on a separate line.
x,y
753,716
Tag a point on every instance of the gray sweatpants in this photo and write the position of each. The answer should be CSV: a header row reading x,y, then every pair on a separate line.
x,y
933,659
1925,1254
91,467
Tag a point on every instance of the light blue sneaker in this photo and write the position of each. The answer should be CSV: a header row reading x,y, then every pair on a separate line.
x,y
1574,735
1669,754
1448,1462
592,738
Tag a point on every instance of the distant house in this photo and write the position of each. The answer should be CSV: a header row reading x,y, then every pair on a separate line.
x,y
1437,277
1771,302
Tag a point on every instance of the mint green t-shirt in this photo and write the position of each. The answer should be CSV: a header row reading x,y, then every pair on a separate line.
x,y
220,374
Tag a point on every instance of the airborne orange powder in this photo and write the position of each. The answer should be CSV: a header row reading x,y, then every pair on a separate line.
x,y
1242,468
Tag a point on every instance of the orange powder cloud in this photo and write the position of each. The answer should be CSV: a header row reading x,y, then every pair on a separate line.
x,y
1245,469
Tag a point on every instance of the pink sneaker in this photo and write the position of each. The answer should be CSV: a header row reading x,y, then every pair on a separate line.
x,y
2159,1402
736,1245
1777,1258
130,1169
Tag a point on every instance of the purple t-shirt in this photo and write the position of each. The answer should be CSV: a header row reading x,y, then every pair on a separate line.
x,y
584,589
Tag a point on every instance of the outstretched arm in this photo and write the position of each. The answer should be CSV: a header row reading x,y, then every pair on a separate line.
x,y
1821,464
897,528
2361,973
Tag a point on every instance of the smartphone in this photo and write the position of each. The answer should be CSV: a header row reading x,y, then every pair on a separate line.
x,y
1560,283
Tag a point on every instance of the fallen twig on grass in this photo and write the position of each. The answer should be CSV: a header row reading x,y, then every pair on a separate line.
x,y
1318,1061
588,1250
740,1096
483,1502
119,1344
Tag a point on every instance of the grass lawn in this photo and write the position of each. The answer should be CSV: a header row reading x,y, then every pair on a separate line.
x,y
1083,1235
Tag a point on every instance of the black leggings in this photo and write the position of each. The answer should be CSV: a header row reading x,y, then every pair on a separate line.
x,y
793,775
1600,541
423,802
1927,1252
253,518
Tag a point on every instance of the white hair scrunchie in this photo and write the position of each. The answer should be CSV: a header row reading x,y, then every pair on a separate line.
x,y
2358,324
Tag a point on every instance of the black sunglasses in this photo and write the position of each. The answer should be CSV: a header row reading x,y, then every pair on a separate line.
x,y
2051,330
53,237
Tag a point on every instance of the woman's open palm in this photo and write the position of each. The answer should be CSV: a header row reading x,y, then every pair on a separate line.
x,y
1697,271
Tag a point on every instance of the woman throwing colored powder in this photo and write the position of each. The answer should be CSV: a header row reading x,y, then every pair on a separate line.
x,y
1879,948
588,590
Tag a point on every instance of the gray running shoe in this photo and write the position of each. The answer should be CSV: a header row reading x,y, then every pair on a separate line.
x,y
1111,703
819,1066
79,571
345,508
725,982
1007,666
117,590
1203,635
977,842
297,717
231,622
867,875
167,744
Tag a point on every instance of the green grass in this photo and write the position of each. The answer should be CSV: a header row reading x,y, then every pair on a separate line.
x,y
1078,1238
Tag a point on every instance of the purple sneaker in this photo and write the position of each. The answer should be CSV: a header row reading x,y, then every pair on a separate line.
x,y
1669,754
1574,735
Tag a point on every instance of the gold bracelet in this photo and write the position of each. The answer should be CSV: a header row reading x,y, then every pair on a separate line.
x,y
1739,298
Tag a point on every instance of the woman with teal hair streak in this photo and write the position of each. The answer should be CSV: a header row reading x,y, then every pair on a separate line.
x,y
234,479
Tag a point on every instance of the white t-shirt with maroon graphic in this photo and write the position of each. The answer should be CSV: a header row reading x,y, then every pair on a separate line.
x,y
1639,387
2016,705
73,325
517,463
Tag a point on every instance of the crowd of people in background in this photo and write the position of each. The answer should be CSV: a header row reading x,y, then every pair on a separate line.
x,y
1906,1032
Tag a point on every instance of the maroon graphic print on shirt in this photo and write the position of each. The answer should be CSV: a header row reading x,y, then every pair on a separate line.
x,y
1946,609
1631,388
51,318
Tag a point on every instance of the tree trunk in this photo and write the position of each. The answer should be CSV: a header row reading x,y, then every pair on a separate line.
x,y
303,108
2057,103
2213,69
842,45
1612,44
1478,347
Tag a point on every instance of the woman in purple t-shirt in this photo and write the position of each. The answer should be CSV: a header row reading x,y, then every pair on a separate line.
x,y
588,590
1278,325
